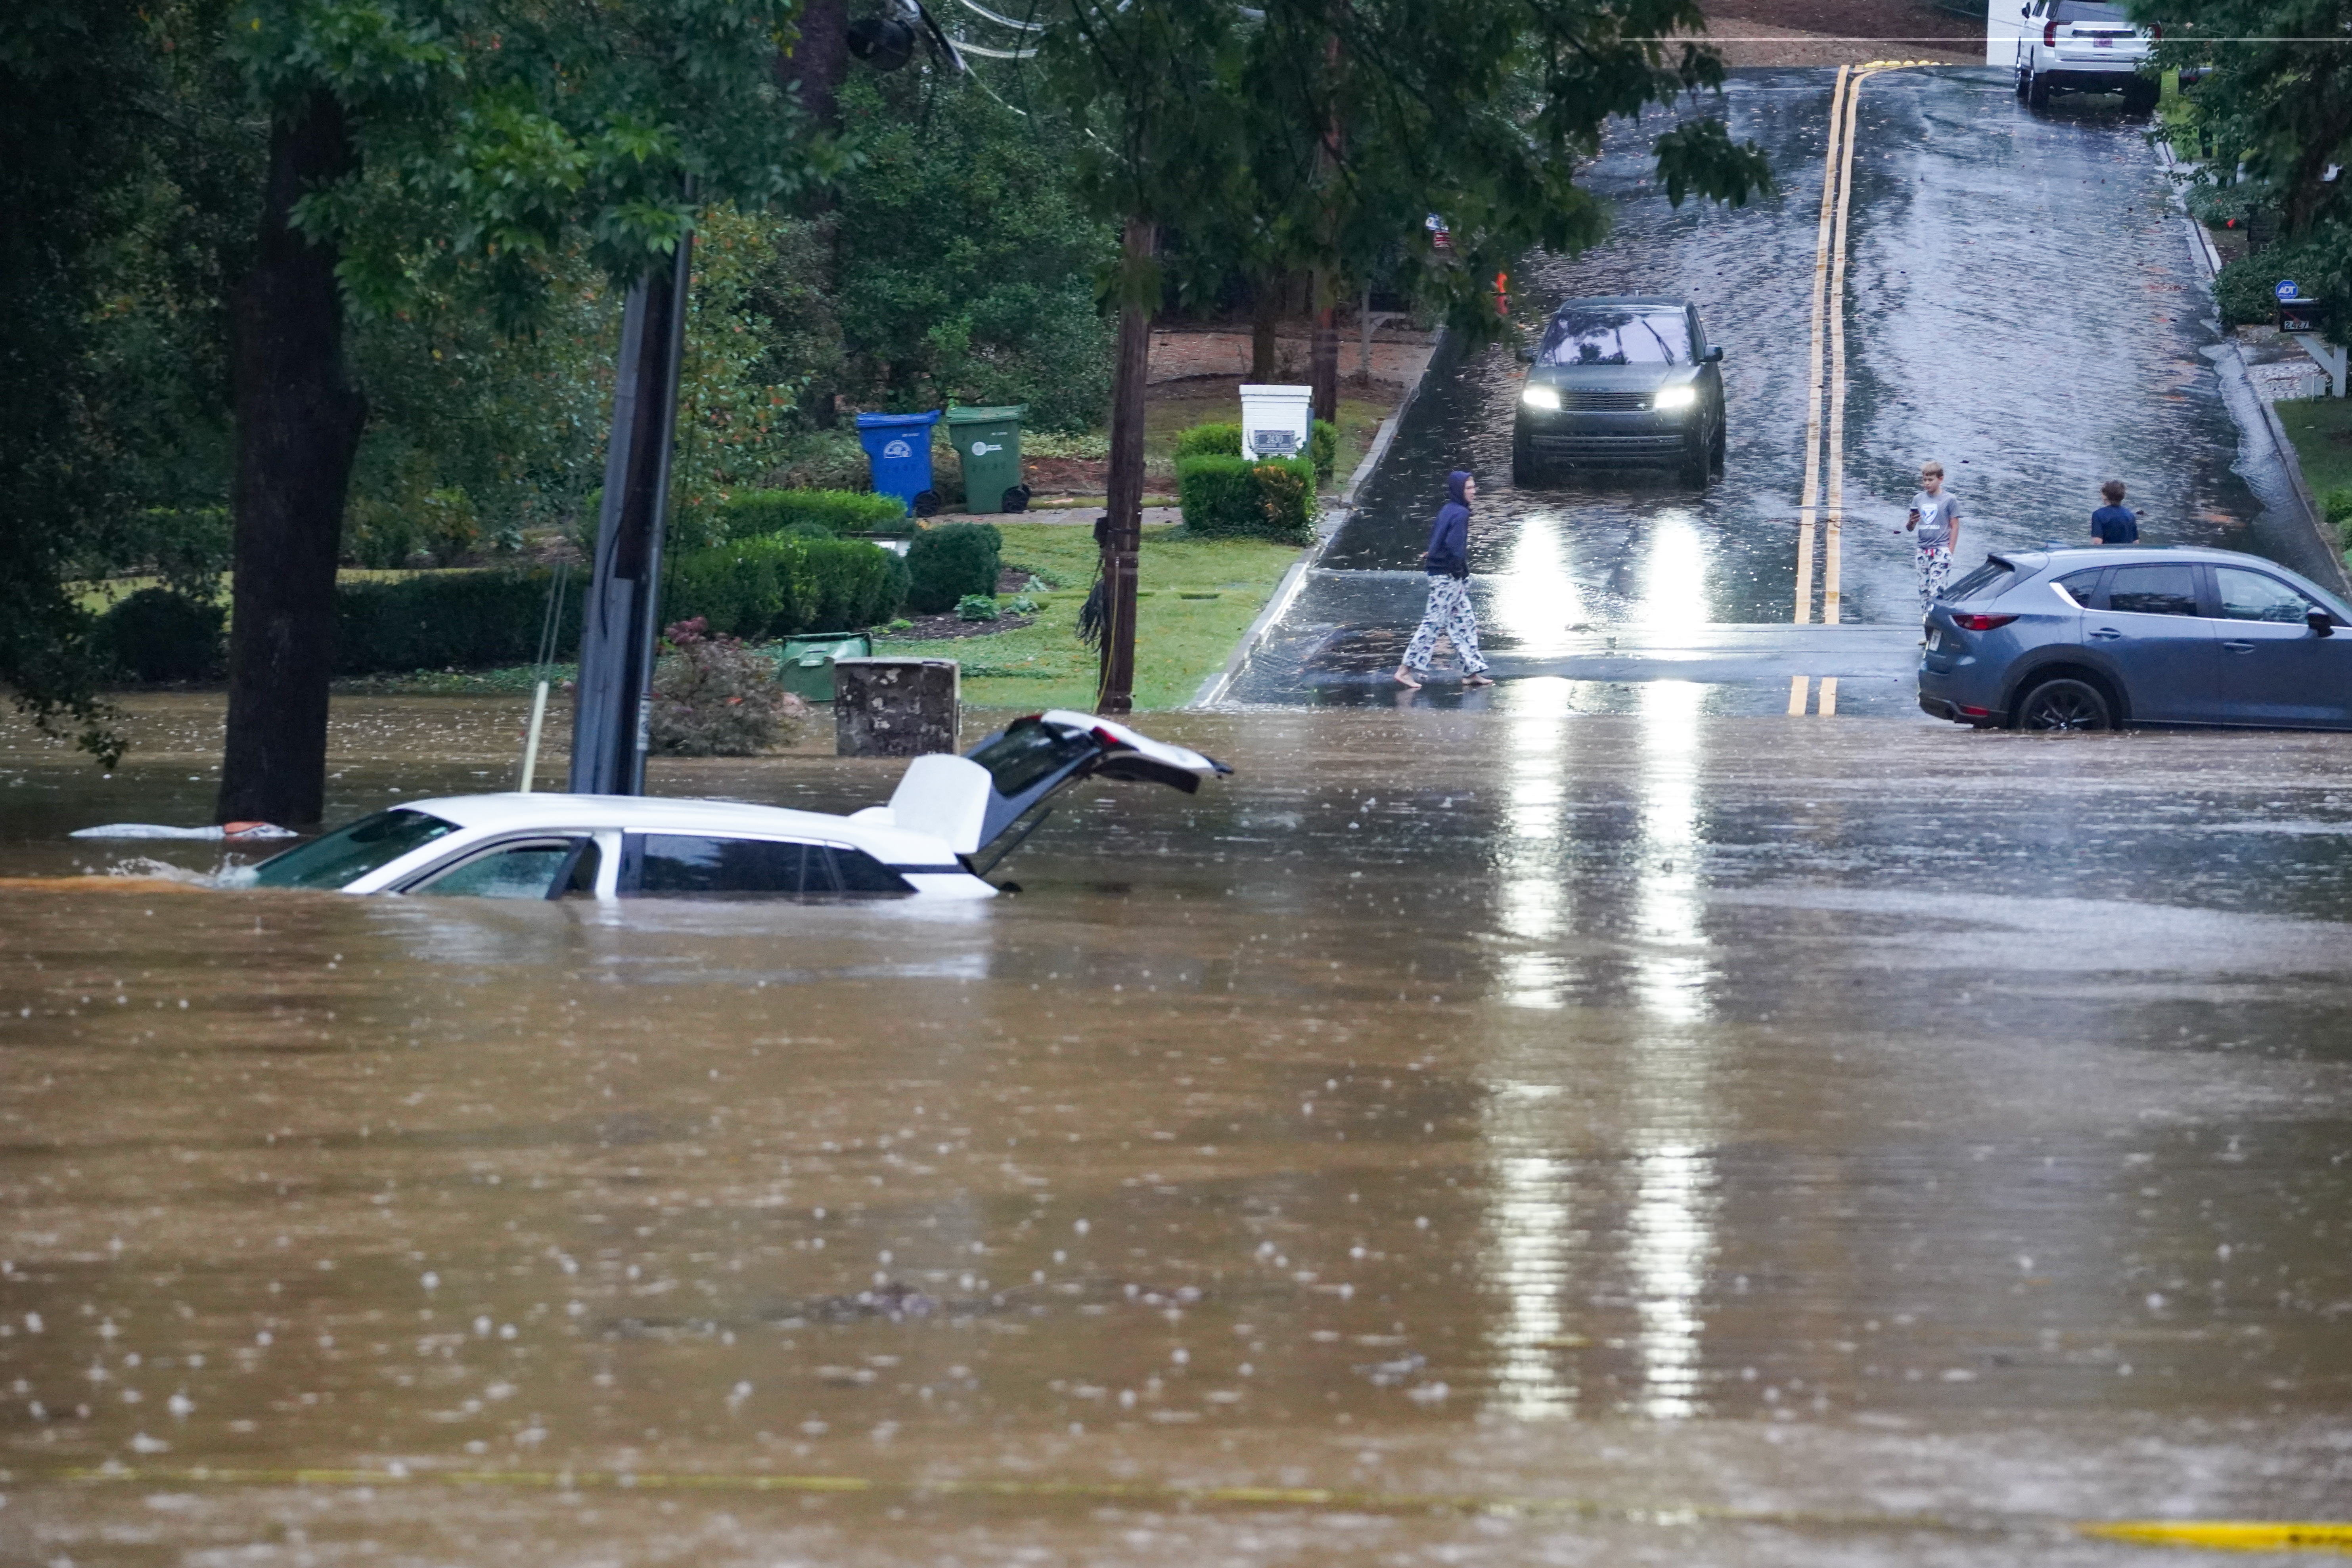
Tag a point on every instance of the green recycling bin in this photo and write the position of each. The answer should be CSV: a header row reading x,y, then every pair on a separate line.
x,y
988,443
807,663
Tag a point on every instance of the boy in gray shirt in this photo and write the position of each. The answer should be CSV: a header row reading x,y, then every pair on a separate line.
x,y
1936,520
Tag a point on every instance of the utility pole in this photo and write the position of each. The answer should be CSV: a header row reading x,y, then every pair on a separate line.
x,y
616,642
1123,531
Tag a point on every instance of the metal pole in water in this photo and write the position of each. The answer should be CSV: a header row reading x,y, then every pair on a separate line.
x,y
531,740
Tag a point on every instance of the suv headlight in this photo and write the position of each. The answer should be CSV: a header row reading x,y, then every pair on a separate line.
x,y
1670,398
1536,395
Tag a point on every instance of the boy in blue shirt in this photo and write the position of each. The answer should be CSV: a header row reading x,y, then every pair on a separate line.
x,y
2114,523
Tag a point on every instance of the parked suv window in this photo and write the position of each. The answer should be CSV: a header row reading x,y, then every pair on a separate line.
x,y
2256,596
2088,11
2080,585
2153,591
1976,583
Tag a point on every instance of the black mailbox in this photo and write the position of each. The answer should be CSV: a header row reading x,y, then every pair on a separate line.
x,y
2303,316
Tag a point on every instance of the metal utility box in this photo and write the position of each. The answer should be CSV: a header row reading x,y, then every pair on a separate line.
x,y
1277,421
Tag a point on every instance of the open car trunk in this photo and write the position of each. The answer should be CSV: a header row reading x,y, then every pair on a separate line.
x,y
976,802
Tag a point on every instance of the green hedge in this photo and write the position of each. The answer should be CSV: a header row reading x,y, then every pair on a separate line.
x,y
448,620
754,513
753,588
1221,440
158,635
946,562
2247,289
763,588
1233,497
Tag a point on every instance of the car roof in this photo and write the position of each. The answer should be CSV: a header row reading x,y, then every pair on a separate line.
x,y
657,814
1647,301
2104,554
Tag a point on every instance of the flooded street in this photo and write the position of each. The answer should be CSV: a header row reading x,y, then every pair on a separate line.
x,y
2021,302
1656,1137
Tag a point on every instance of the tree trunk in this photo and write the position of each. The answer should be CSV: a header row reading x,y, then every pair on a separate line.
x,y
1266,320
819,62
299,419
1323,362
1123,538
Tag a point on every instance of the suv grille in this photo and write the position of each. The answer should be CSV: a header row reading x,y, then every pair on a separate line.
x,y
1620,401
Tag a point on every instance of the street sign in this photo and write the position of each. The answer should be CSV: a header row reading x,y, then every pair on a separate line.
x,y
2302,316
2287,288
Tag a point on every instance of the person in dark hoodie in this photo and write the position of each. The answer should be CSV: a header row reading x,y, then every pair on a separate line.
x,y
1449,614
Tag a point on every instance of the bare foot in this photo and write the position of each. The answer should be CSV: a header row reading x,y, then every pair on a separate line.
x,y
1478,680
1404,678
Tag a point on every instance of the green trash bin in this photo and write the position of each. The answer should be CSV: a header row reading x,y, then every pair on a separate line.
x,y
988,443
807,663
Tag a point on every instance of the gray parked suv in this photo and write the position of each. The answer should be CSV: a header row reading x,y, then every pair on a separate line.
x,y
2098,639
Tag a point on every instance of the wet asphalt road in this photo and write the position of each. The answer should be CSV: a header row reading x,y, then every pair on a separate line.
x,y
2021,302
1655,1137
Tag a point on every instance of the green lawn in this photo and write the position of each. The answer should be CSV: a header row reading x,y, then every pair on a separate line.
x,y
1180,641
2321,429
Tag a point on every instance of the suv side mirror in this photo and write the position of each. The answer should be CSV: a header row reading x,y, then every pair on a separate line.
x,y
2025,10
2321,623
1715,355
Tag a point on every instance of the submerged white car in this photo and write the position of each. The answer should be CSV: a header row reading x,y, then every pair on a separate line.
x,y
950,822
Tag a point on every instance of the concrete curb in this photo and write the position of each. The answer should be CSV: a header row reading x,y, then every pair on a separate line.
x,y
2331,549
1212,689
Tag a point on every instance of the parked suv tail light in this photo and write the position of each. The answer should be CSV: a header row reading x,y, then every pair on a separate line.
x,y
1981,623
2049,35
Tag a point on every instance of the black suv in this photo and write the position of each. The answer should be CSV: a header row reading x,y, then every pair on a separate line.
x,y
1619,381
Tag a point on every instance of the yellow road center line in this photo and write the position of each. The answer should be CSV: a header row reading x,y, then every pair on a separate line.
x,y
1811,497
1800,686
1830,562
1828,695
2227,1535
2250,1535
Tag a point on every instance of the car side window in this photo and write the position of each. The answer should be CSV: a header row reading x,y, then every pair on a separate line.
x,y
2082,587
523,871
2258,596
856,871
687,866
2153,591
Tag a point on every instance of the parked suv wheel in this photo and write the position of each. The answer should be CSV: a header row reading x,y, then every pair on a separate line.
x,y
2065,706
2140,95
2037,90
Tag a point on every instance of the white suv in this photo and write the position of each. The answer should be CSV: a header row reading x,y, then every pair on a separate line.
x,y
2082,46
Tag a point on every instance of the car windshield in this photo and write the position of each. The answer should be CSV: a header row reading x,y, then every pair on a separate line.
x,y
346,855
1597,335
2088,11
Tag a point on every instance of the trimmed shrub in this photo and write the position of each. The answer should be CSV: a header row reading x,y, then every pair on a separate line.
x,y
158,635
976,607
1209,441
713,697
2246,290
448,620
774,587
756,512
1233,497
1323,447
946,562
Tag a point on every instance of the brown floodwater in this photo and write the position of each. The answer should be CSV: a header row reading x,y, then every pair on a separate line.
x,y
1648,1138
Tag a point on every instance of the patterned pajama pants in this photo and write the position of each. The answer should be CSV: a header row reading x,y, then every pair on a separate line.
x,y
1449,616
1935,571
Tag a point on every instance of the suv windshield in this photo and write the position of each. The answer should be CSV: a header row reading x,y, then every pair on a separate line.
x,y
350,853
1595,336
2088,11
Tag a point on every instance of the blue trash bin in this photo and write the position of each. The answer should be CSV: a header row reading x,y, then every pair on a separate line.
x,y
898,450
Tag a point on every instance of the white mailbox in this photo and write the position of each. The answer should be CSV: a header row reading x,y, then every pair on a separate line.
x,y
1276,420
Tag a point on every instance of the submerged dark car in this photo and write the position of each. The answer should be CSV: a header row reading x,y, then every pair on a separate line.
x,y
1621,382
2106,637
